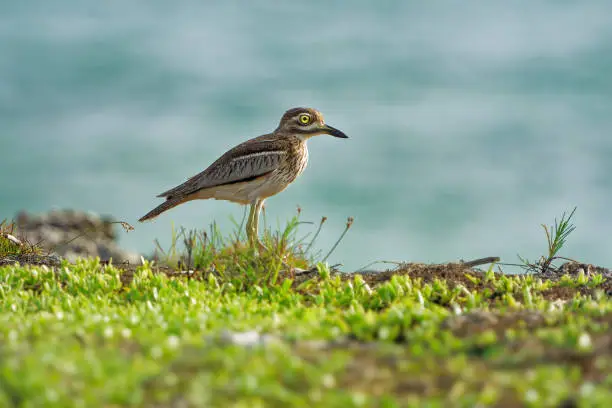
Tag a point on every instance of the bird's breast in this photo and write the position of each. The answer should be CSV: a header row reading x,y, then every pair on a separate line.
x,y
302,160
294,163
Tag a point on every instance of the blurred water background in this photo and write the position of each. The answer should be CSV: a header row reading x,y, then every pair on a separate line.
x,y
470,123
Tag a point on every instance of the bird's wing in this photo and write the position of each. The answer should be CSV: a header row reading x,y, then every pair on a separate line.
x,y
244,162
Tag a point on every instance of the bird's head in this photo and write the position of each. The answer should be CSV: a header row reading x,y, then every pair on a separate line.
x,y
305,123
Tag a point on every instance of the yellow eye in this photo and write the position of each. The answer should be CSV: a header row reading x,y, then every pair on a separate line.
x,y
304,119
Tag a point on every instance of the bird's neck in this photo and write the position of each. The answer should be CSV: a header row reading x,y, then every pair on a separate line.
x,y
302,137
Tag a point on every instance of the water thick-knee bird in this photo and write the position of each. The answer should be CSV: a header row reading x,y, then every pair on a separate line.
x,y
256,169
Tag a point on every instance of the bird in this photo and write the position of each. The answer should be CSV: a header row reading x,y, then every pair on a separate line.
x,y
254,170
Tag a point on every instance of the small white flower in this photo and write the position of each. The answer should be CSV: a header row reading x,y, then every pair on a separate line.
x,y
108,332
173,342
584,341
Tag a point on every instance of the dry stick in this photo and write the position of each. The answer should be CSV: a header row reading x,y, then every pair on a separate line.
x,y
481,261
12,238
396,263
475,262
124,224
315,235
349,222
241,226
158,246
300,271
189,243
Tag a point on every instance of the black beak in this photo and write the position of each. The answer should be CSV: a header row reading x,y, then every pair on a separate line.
x,y
330,130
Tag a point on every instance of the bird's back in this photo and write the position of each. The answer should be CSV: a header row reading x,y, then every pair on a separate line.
x,y
248,160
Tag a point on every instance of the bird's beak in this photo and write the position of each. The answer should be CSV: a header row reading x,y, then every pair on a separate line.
x,y
330,130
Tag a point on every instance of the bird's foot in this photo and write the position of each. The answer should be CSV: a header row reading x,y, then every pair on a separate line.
x,y
261,247
258,246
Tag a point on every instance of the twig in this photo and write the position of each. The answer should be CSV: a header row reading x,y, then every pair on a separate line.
x,y
125,225
349,222
481,261
13,239
315,235
396,263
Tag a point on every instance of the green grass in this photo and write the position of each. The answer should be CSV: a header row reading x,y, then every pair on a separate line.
x,y
246,330
9,247
89,335
556,235
283,250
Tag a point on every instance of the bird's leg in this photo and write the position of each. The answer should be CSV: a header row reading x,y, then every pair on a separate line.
x,y
249,226
258,205
253,225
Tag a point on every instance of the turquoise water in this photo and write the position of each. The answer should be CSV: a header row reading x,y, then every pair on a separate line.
x,y
470,124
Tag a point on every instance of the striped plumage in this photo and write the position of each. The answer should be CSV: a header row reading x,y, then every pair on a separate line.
x,y
256,169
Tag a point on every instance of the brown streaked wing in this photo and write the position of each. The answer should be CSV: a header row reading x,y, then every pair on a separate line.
x,y
244,162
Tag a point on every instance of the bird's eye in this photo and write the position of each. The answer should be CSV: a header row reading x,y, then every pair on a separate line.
x,y
304,119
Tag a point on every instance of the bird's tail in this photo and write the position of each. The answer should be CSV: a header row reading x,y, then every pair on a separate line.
x,y
166,205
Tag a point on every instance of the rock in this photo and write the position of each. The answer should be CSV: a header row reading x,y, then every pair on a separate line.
x,y
74,234
573,268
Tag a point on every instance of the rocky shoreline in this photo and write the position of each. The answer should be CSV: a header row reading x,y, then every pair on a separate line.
x,y
69,234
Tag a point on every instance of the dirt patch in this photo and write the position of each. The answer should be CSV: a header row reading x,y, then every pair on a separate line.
x,y
450,272
574,268
568,293
31,259
457,273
